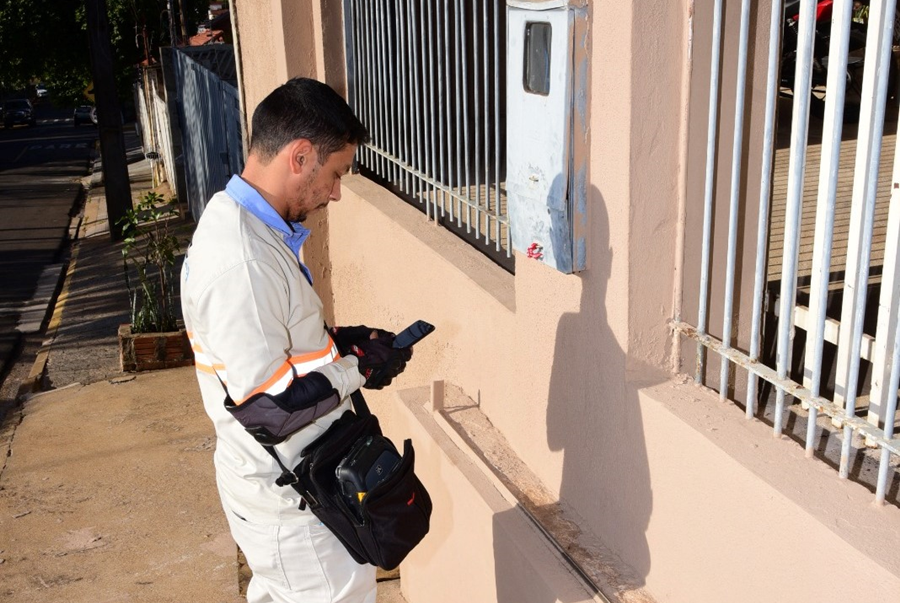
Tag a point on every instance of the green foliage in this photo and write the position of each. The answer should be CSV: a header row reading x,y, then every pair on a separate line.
x,y
47,40
150,250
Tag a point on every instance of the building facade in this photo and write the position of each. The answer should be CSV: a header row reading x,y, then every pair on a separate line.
x,y
569,450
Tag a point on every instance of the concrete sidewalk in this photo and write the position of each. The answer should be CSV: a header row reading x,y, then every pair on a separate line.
x,y
108,491
108,496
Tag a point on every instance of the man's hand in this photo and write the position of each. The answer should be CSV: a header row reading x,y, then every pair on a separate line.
x,y
379,362
346,337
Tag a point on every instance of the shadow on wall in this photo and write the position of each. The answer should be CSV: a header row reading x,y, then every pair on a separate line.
x,y
594,417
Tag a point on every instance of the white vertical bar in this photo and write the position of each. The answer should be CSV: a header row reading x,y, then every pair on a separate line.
x,y
376,80
862,211
884,466
734,209
390,115
362,66
439,174
354,91
418,189
497,123
448,53
765,194
403,83
374,116
711,133
487,122
461,150
373,90
428,64
465,118
825,206
888,304
799,132
477,104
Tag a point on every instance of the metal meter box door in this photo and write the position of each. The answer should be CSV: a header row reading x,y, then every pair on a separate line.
x,y
546,75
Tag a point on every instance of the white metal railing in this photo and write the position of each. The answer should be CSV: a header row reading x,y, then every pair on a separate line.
x,y
881,349
163,132
156,130
428,80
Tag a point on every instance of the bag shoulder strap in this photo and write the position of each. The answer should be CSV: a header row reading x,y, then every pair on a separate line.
x,y
359,404
288,477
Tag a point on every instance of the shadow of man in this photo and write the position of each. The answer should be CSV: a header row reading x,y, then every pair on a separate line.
x,y
594,416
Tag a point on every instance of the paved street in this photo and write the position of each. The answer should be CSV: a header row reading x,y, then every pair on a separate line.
x,y
40,172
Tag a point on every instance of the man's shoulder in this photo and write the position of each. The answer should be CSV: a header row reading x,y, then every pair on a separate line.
x,y
220,211
227,235
227,226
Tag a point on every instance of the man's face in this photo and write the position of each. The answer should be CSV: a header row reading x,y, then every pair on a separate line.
x,y
319,183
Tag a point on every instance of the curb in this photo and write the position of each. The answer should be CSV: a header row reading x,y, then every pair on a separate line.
x,y
34,381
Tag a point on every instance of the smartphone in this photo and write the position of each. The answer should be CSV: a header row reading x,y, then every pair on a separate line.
x,y
412,334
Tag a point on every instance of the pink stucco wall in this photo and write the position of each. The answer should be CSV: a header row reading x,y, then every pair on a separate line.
x,y
572,369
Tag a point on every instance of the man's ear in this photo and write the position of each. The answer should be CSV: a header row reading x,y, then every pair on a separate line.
x,y
300,153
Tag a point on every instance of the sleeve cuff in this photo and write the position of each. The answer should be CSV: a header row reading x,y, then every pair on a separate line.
x,y
343,375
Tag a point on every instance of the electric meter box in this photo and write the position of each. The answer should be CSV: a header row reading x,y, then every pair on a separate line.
x,y
547,131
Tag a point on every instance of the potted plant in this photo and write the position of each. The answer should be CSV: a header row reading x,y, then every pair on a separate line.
x,y
154,339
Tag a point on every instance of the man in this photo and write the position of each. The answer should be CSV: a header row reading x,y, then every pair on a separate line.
x,y
259,337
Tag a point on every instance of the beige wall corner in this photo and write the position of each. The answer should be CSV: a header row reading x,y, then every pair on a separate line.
x,y
301,34
659,60
282,39
261,46
328,16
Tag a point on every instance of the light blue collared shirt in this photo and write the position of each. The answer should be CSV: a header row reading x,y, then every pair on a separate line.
x,y
294,234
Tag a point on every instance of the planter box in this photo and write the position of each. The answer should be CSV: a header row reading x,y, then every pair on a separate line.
x,y
153,351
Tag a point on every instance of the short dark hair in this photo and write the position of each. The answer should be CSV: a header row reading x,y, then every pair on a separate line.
x,y
304,108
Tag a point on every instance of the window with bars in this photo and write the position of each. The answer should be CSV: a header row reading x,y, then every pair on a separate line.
x,y
429,81
827,246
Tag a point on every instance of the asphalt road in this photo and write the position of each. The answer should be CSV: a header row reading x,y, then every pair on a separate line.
x,y
40,181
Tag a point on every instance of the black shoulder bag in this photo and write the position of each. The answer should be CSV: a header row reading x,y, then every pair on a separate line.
x,y
357,483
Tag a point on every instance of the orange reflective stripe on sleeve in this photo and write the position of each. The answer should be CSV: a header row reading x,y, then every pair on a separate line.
x,y
295,365
282,377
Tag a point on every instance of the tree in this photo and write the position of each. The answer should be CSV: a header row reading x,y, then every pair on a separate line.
x,y
71,47
47,40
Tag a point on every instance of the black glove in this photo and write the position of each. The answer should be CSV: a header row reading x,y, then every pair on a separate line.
x,y
379,362
345,337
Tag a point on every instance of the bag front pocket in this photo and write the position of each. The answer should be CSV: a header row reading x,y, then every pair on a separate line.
x,y
397,512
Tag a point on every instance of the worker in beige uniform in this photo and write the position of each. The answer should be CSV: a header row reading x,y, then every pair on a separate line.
x,y
261,344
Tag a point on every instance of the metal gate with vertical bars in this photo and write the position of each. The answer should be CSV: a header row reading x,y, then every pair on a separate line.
x,y
428,81
862,403
210,120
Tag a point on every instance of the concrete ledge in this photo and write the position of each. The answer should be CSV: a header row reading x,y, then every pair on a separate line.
x,y
476,532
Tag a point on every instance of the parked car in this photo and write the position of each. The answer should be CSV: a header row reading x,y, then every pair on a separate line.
x,y
18,111
41,91
83,115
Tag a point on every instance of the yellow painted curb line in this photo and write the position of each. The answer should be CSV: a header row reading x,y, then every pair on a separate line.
x,y
32,383
60,304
